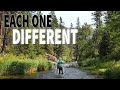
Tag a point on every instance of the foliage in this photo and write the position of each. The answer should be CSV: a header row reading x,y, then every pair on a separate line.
x,y
97,49
105,44
14,65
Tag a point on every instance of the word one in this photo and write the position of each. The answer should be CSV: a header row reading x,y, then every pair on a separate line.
x,y
44,36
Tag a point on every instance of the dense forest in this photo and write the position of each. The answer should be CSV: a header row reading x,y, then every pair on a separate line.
x,y
97,49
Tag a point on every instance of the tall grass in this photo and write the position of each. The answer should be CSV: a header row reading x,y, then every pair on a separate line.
x,y
109,69
16,65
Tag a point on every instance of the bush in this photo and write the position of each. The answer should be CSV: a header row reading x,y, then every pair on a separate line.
x,y
88,62
101,71
43,66
112,73
110,69
67,59
7,57
16,66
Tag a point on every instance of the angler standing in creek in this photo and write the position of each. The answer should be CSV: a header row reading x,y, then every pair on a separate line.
x,y
71,71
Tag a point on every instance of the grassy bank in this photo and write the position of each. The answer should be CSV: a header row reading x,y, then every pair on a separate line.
x,y
20,65
109,69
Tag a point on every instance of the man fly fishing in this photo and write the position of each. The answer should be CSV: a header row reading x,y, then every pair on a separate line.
x,y
60,65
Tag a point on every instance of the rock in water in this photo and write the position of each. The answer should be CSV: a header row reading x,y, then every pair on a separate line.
x,y
73,64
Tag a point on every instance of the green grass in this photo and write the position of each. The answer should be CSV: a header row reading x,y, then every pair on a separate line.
x,y
109,69
14,65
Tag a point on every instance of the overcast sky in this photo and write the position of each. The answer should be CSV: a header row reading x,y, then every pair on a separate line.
x,y
71,16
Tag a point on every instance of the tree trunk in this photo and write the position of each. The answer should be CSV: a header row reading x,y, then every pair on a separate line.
x,y
4,42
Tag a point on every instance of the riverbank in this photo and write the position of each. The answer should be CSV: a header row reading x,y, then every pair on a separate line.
x,y
108,69
11,65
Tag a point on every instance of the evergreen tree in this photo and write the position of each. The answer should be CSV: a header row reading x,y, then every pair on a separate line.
x,y
60,48
71,45
54,20
113,26
84,41
54,26
78,23
76,46
105,45
97,32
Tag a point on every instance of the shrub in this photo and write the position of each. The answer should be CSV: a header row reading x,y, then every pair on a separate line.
x,y
112,73
11,65
16,68
101,71
87,62
67,59
46,65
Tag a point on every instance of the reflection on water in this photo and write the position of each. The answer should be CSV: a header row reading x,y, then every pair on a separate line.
x,y
33,75
26,76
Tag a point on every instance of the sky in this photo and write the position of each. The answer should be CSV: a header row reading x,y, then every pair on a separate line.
x,y
69,17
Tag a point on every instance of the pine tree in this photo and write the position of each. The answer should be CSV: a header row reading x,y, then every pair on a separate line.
x,y
105,45
78,23
113,26
54,20
76,46
60,47
84,41
71,45
40,49
54,26
97,18
97,32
